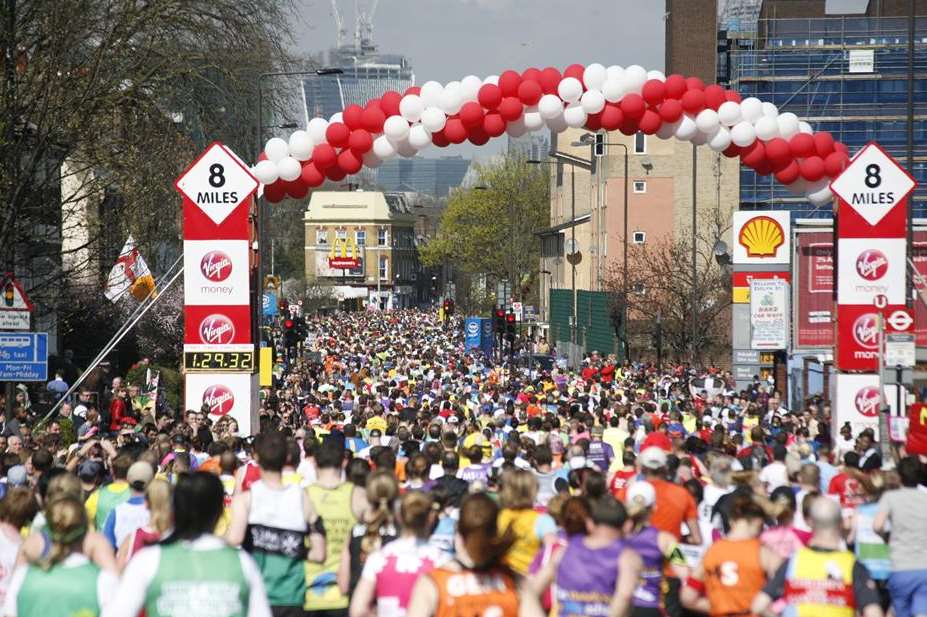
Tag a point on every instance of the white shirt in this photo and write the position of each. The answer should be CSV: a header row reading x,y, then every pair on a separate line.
x,y
774,475
106,583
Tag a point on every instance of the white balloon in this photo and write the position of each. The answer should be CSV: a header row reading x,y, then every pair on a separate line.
x,y
470,87
266,172
371,160
593,101
533,119
798,187
686,129
770,110
516,128
419,137
743,134
396,128
338,117
594,76
557,124
751,109
433,119
615,72
636,76
667,129
788,125
699,139
411,107
613,89
431,93
729,113
804,127
766,128
570,89
707,121
404,148
452,85
720,140
276,149
450,101
301,145
575,116
492,79
819,193
289,168
658,75
317,128
550,106
383,147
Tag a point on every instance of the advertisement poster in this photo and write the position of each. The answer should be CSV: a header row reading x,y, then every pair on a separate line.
x,y
814,289
769,314
858,402
919,252
762,237
222,394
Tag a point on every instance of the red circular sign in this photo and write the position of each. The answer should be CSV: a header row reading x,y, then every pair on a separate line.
x,y
216,266
866,331
867,401
872,264
218,399
217,329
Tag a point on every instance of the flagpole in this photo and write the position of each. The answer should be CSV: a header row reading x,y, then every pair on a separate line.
x,y
133,319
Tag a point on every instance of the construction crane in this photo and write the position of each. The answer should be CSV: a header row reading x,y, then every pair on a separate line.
x,y
363,33
341,33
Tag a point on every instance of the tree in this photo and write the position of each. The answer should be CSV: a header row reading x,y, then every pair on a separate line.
x,y
487,231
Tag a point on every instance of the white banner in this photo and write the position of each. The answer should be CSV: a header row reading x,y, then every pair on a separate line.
x,y
224,394
858,402
216,272
769,311
869,267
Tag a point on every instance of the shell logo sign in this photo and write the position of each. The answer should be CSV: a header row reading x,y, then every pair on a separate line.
x,y
762,237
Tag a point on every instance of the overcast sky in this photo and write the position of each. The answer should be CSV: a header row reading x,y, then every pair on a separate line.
x,y
449,39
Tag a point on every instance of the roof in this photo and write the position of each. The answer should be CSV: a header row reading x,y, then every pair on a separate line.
x,y
358,206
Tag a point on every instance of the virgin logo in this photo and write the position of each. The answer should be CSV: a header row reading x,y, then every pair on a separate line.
x,y
219,400
866,331
216,266
871,264
867,401
217,329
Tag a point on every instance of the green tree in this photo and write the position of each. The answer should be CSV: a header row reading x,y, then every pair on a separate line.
x,y
488,230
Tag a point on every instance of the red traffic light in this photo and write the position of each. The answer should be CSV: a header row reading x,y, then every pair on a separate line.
x,y
500,313
288,324
510,318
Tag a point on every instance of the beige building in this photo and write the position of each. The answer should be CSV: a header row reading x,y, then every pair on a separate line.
x,y
379,229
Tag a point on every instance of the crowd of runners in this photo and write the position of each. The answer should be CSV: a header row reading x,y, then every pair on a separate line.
x,y
396,475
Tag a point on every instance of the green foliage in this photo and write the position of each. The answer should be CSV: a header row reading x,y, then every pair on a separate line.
x,y
170,381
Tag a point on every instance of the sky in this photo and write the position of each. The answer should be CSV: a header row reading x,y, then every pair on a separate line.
x,y
446,40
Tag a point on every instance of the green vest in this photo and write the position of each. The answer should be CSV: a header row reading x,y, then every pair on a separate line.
x,y
207,583
59,592
107,500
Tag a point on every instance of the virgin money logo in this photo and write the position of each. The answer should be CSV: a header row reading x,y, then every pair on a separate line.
x,y
866,331
218,399
867,401
216,266
872,264
217,329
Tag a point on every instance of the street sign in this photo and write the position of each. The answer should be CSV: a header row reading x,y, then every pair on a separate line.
x,y
14,320
900,320
15,306
269,304
217,183
899,350
518,308
873,184
23,356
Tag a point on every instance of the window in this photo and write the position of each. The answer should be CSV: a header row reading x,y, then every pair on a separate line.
x,y
639,289
640,186
341,234
360,237
640,143
639,237
321,236
384,268
382,237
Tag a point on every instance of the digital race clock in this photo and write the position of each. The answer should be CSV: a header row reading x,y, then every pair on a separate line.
x,y
218,361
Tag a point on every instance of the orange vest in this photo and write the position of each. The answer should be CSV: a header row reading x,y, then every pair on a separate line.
x,y
475,594
733,575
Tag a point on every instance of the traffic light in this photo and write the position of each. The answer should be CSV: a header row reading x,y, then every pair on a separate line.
x,y
498,322
510,327
290,336
448,308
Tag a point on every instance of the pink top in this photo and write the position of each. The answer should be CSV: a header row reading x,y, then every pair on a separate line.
x,y
395,568
784,541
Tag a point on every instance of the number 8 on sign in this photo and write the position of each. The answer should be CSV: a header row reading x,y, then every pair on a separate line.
x,y
217,183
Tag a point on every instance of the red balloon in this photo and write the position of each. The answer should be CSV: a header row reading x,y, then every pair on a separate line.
x,y
373,103
835,163
733,96
778,151
350,162
823,143
754,154
812,168
337,134
714,96
312,176
412,90
629,126
440,139
788,174
531,74
612,117
489,96
654,91
389,103
550,80
360,141
801,145
352,116
633,106
694,83
732,151
324,156
675,86
471,114
262,156
670,110
455,131
335,173
651,122
842,148
509,82
296,189
693,101
493,124
510,109
373,119
478,136
275,192
575,70
594,121
764,168
530,92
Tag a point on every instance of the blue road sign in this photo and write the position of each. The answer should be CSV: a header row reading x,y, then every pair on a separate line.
x,y
269,302
23,356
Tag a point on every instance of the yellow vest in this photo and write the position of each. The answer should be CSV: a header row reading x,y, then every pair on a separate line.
x,y
334,506
526,545
820,584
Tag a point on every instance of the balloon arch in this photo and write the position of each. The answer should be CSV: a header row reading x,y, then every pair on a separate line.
x,y
592,97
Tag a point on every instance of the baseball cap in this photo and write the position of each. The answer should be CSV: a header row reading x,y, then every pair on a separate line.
x,y
140,474
640,495
653,458
16,475
89,470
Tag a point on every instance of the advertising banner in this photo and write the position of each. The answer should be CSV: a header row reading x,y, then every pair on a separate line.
x,y
919,257
740,283
472,333
814,290
858,402
216,272
762,237
222,394
769,314
217,325
323,267
870,267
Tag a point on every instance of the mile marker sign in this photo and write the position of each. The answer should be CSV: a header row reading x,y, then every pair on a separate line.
x,y
217,183
872,186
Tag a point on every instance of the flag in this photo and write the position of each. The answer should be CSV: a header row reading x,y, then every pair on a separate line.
x,y
130,273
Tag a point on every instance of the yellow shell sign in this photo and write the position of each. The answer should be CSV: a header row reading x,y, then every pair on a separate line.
x,y
761,236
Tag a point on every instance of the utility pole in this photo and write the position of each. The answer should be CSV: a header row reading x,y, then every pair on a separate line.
x,y
694,237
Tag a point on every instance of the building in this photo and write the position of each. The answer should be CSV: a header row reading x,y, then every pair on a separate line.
x,y
428,176
379,229
691,38
532,146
